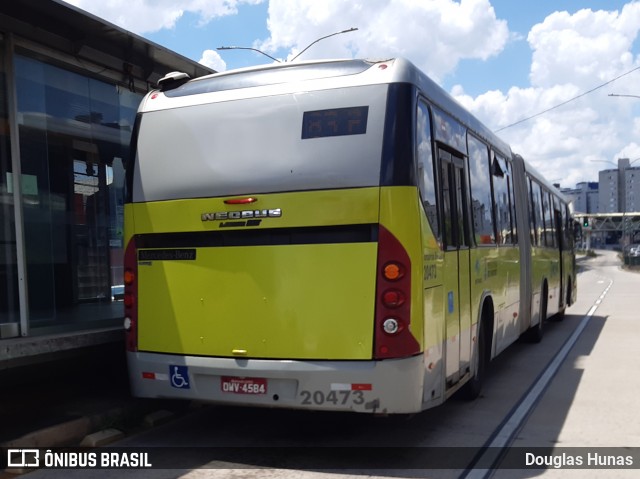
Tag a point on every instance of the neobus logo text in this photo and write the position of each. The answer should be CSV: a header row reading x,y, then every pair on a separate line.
x,y
241,215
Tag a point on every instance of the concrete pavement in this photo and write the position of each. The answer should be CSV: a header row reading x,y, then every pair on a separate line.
x,y
593,400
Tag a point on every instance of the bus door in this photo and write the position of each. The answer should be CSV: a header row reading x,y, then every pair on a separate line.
x,y
457,290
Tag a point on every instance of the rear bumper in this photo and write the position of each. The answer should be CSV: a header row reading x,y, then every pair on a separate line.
x,y
389,386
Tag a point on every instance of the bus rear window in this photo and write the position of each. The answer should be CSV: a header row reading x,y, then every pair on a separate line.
x,y
254,145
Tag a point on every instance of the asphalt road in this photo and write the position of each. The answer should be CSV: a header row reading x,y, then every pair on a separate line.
x,y
576,389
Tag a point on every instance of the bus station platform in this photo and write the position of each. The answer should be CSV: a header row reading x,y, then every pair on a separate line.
x,y
21,351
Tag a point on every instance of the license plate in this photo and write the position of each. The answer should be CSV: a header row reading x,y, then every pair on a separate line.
x,y
243,385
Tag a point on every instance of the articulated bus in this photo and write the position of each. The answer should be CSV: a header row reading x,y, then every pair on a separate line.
x,y
331,235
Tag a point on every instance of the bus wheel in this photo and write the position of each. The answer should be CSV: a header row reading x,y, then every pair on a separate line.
x,y
474,386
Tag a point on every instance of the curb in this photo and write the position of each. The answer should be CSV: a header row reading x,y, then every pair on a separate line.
x,y
70,432
102,438
91,431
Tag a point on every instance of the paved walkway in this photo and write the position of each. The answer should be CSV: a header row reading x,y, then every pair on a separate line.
x,y
594,399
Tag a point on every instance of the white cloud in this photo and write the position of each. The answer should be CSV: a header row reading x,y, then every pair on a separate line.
x,y
143,16
636,131
212,59
632,150
435,35
572,54
586,48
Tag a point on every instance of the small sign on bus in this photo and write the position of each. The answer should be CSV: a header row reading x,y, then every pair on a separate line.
x,y
335,122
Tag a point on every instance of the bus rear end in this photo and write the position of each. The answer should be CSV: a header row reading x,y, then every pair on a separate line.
x,y
266,263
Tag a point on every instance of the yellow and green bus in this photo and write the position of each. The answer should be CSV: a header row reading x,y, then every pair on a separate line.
x,y
330,235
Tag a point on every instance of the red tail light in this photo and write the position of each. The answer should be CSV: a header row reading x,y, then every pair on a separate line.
x,y
393,339
393,298
131,295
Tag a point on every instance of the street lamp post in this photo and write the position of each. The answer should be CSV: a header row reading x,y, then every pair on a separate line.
x,y
322,38
353,29
622,95
249,48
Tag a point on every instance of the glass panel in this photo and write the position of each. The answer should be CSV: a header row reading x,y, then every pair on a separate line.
x,y
447,204
499,174
532,213
461,194
512,204
558,222
480,191
9,304
536,201
426,180
449,131
335,122
267,152
74,136
568,236
548,220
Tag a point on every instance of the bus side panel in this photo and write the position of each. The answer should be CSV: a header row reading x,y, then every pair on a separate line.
x,y
537,277
549,270
507,297
433,316
568,257
496,273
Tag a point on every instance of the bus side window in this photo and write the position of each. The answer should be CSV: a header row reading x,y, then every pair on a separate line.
x,y
512,203
501,197
558,213
548,220
480,191
568,236
536,202
425,176
532,213
449,219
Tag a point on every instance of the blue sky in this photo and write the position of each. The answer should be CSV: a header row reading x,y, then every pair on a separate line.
x,y
511,67
243,29
250,25
505,60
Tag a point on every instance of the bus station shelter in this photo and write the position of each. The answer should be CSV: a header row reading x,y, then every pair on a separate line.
x,y
70,85
597,227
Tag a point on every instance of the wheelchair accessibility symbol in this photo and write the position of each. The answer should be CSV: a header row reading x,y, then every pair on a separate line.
x,y
179,376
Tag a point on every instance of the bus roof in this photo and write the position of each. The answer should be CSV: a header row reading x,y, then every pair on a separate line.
x,y
323,74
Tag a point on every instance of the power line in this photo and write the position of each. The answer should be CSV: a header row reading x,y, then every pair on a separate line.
x,y
568,101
